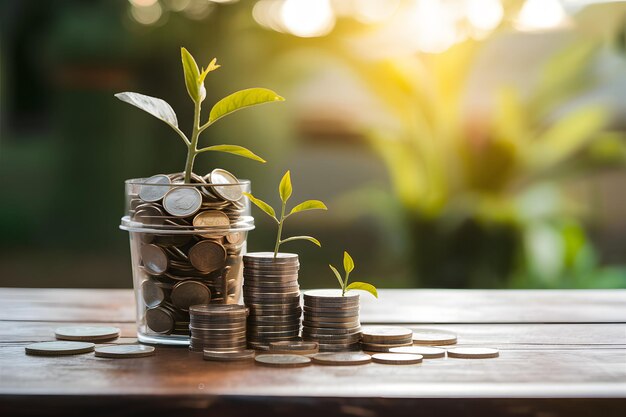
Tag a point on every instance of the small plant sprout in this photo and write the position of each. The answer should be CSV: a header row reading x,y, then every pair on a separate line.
x,y
284,190
348,266
194,81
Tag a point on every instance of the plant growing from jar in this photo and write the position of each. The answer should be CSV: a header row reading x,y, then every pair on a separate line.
x,y
285,190
348,266
194,81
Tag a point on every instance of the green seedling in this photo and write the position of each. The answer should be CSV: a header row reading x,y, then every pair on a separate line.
x,y
284,190
194,81
348,266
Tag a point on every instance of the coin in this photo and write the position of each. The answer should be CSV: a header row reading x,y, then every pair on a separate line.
x,y
207,256
433,337
386,334
59,348
160,320
232,356
154,259
268,257
330,294
211,219
87,333
124,351
373,347
188,293
236,237
294,345
283,361
426,351
227,187
342,359
473,353
348,347
397,358
182,201
152,294
154,188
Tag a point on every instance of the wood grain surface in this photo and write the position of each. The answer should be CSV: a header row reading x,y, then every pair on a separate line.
x,y
562,353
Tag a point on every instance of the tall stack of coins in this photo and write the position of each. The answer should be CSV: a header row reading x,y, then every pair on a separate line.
x,y
272,293
187,241
218,327
332,320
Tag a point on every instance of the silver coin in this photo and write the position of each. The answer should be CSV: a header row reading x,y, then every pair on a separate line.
x,y
342,359
87,333
228,356
331,294
263,258
188,293
152,294
207,256
124,351
154,188
160,320
283,361
426,351
182,201
225,185
397,358
218,309
154,259
59,348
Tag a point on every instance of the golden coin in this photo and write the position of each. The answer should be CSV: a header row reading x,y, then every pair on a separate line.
x,y
207,256
212,219
473,353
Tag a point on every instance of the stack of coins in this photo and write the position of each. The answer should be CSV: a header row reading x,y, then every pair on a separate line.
x,y
272,294
332,320
181,268
383,338
218,327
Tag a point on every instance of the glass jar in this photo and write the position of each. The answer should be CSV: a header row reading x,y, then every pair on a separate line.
x,y
187,241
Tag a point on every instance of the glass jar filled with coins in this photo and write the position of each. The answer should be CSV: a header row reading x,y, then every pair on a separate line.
x,y
187,241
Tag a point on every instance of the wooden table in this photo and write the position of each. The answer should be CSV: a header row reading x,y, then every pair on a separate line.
x,y
562,353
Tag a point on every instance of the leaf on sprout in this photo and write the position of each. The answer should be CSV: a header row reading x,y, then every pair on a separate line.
x,y
309,238
262,205
212,67
242,99
235,150
337,274
195,87
348,262
308,205
364,286
155,106
284,188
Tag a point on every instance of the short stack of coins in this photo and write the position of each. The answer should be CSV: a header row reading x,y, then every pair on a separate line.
x,y
383,338
332,320
272,293
217,327
197,258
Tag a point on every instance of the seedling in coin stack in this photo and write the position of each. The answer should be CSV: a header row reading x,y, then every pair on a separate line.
x,y
284,190
348,266
194,81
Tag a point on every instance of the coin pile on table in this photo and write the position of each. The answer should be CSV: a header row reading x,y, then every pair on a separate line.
x,y
383,338
272,293
197,259
218,327
332,320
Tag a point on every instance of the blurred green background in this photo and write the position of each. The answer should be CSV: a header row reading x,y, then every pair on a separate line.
x,y
457,143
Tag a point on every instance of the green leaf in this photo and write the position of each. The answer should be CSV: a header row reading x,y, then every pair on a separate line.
x,y
308,205
195,87
338,275
262,205
212,67
234,149
155,106
348,262
284,188
309,238
240,100
364,286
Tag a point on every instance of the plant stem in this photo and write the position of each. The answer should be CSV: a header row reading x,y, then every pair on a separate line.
x,y
280,229
192,148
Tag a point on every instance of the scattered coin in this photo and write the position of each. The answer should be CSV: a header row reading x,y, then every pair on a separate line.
x,y
397,358
473,353
426,351
283,361
231,356
386,334
124,351
59,348
433,337
87,333
340,359
294,347
154,188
